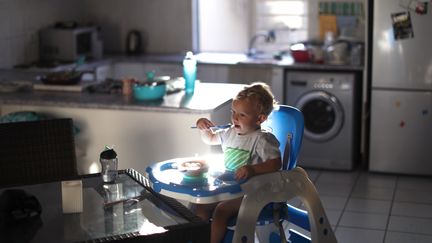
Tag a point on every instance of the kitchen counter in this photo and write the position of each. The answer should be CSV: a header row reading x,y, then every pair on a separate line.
x,y
235,59
142,132
207,97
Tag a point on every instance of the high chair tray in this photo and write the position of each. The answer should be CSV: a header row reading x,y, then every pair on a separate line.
x,y
212,186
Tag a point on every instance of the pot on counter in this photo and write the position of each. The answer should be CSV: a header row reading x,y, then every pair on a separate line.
x,y
62,77
307,51
300,52
149,90
337,53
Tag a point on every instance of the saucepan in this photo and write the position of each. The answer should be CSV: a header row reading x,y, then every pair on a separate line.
x,y
62,77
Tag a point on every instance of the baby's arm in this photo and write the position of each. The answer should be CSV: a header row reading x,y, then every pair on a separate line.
x,y
207,136
268,166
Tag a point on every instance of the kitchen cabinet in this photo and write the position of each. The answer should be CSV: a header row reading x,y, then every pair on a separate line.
x,y
240,74
210,73
165,69
214,73
246,74
140,138
126,69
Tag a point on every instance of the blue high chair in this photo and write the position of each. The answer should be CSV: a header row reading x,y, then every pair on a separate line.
x,y
264,206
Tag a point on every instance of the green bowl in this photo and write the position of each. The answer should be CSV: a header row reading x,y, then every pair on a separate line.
x,y
149,90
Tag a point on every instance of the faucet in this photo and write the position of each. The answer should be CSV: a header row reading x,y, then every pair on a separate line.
x,y
270,36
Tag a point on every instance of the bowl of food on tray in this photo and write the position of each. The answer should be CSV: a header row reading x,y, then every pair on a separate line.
x,y
193,167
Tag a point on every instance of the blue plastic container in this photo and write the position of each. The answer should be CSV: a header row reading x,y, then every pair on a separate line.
x,y
149,90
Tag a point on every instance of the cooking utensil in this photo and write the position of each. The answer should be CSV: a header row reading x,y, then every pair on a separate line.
x,y
62,77
338,52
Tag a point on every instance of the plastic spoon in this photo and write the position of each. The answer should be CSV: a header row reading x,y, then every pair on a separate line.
x,y
217,127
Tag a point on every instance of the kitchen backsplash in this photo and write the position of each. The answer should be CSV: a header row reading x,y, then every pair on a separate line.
x,y
166,21
165,25
20,21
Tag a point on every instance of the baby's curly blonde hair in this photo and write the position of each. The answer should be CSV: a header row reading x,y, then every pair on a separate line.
x,y
260,92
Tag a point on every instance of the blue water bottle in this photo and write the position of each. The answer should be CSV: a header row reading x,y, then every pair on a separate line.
x,y
189,72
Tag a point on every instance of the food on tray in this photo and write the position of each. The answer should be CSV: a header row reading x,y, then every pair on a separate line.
x,y
193,167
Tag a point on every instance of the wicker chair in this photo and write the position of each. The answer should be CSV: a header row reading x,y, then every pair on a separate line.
x,y
36,152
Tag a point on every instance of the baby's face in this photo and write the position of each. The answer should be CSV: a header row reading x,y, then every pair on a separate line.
x,y
244,116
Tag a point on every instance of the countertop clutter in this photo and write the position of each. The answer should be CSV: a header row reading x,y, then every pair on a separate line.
x,y
23,84
208,97
286,61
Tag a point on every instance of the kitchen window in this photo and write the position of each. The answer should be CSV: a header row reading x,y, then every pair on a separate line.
x,y
228,25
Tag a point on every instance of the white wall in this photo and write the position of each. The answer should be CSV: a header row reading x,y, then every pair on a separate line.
x,y
167,24
224,25
20,21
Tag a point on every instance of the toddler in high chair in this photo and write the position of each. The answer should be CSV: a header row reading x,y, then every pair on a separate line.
x,y
248,149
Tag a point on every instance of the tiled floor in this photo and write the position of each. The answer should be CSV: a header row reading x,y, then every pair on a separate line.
x,y
371,207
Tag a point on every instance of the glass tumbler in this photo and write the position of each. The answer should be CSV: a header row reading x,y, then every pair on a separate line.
x,y
109,164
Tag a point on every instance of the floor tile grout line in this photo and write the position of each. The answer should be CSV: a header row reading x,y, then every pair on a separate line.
x,y
413,217
391,208
363,212
407,232
348,198
363,228
414,202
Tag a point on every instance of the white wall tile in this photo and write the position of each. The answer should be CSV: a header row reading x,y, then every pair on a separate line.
x,y
5,25
4,52
21,20
166,23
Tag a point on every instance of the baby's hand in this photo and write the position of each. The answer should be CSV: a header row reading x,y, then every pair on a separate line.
x,y
204,124
244,172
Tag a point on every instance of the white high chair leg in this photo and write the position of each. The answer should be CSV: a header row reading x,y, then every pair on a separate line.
x,y
279,187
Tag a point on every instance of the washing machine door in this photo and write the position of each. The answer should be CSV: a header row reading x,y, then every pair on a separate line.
x,y
323,115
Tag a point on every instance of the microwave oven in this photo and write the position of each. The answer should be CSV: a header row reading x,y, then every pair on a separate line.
x,y
68,44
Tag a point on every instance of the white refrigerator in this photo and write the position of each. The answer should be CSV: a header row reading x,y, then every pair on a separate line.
x,y
401,88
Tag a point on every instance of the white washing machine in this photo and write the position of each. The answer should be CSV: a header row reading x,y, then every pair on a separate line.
x,y
330,103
